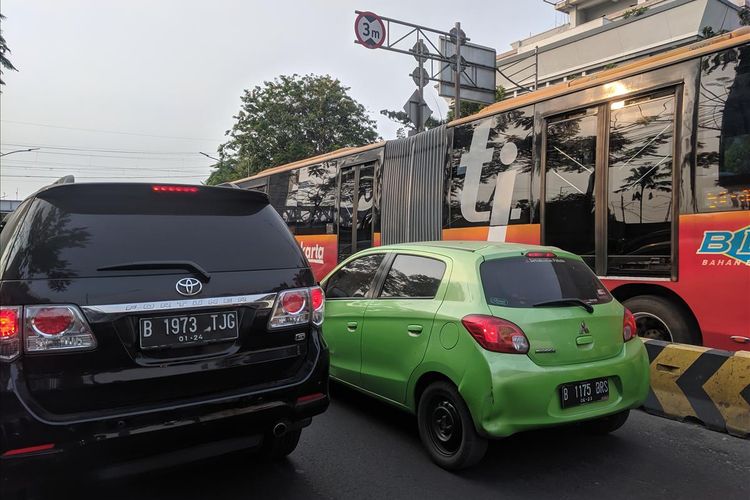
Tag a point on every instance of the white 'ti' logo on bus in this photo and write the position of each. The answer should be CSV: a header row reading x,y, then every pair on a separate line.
x,y
474,160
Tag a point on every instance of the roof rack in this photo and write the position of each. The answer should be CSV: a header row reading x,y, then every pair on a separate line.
x,y
229,185
68,179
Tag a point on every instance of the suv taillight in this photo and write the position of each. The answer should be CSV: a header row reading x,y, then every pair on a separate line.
x,y
10,332
318,303
298,307
56,328
496,334
46,328
629,328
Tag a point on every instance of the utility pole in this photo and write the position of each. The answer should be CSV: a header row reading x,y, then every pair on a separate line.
x,y
457,83
422,83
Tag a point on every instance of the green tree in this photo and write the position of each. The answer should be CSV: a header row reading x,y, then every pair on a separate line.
x,y
4,51
469,108
288,119
744,14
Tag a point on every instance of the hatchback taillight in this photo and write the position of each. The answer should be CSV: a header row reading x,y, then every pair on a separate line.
x,y
629,328
496,334
56,328
10,332
297,307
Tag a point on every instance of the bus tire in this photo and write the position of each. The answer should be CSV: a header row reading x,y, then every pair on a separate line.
x,y
661,319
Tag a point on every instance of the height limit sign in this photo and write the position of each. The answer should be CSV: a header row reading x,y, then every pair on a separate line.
x,y
370,30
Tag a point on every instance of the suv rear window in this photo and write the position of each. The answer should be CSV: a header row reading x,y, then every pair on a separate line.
x,y
73,231
523,281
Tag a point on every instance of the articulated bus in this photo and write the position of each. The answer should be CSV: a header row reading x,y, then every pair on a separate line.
x,y
643,170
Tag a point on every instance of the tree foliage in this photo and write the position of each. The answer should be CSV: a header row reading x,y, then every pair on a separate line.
x,y
467,108
744,14
4,51
288,119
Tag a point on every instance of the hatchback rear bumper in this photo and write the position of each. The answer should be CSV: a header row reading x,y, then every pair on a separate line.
x,y
525,396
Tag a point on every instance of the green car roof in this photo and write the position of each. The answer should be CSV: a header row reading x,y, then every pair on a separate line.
x,y
487,249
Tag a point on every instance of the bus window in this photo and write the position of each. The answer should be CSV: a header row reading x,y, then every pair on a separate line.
x,y
316,199
639,217
283,196
491,171
346,212
723,163
364,206
569,221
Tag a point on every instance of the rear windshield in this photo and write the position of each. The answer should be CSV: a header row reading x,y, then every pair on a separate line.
x,y
523,281
76,231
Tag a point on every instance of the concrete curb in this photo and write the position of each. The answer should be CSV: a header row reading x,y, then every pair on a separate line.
x,y
710,386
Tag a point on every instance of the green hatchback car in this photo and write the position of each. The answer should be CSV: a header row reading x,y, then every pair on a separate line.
x,y
482,340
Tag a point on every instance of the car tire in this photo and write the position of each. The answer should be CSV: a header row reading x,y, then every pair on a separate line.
x,y
605,425
277,447
661,319
447,429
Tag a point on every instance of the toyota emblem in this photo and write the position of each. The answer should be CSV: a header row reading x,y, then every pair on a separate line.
x,y
188,287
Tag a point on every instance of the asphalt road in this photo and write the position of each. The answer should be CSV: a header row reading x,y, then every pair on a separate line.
x,y
364,449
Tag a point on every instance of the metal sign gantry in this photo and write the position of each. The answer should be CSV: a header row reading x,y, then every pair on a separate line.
x,y
373,31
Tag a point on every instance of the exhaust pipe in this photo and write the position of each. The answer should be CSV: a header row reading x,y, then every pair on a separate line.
x,y
280,429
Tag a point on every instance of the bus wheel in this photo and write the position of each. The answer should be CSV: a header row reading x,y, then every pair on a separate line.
x,y
661,319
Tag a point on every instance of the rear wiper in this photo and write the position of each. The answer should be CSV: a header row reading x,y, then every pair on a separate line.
x,y
567,302
160,264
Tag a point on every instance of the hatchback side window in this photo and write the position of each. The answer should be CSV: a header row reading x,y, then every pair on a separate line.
x,y
355,278
413,277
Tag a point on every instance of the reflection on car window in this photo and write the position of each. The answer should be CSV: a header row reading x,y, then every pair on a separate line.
x,y
354,279
523,282
413,277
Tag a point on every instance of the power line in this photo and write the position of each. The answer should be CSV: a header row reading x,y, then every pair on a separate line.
x,y
75,166
97,150
103,131
60,153
128,166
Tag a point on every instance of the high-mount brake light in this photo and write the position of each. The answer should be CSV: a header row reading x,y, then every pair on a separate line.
x,y
629,327
541,255
496,334
10,332
51,328
174,189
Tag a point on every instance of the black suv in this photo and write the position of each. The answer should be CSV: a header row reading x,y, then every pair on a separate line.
x,y
153,324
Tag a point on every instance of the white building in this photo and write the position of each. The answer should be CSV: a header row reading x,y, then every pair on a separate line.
x,y
602,33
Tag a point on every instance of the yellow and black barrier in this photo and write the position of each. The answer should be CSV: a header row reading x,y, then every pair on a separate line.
x,y
700,384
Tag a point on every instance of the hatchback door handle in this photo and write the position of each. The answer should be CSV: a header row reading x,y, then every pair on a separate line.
x,y
414,330
351,326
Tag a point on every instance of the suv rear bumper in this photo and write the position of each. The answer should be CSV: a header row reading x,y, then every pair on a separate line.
x,y
163,437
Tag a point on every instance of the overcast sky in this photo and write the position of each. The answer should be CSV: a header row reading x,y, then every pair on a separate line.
x,y
134,89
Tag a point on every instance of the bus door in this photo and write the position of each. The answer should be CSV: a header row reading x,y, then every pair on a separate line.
x,y
355,204
608,185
